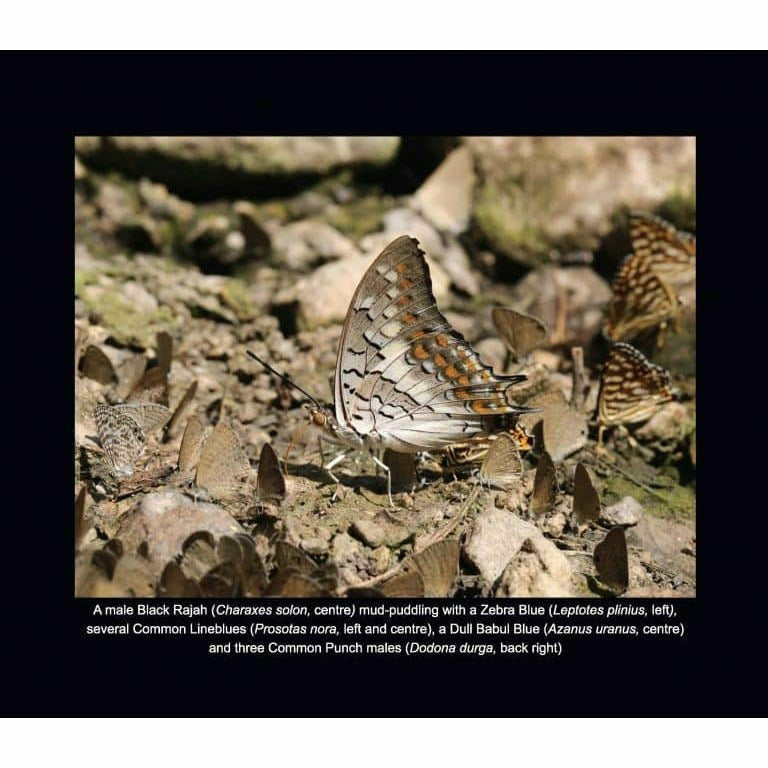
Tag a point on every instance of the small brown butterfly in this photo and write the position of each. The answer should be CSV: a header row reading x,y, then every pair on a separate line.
x,y
586,502
544,486
502,465
631,388
437,565
522,333
222,464
181,410
270,482
97,366
611,562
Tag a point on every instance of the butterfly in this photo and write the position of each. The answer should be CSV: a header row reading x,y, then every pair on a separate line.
x,y
631,388
610,558
586,501
270,482
670,252
474,453
521,332
404,379
502,465
122,429
644,293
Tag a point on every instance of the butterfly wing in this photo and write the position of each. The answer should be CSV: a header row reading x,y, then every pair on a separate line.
x,y
631,387
671,254
121,438
403,375
641,299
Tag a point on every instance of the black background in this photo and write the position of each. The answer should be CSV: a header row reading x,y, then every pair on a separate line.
x,y
719,668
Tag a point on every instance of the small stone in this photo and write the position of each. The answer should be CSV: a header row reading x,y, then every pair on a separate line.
x,y
445,198
628,511
165,519
496,538
308,243
539,569
369,532
667,425
555,524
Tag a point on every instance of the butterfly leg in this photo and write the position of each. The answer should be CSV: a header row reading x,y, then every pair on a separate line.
x,y
600,447
379,463
337,459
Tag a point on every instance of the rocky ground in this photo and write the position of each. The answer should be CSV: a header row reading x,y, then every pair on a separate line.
x,y
228,245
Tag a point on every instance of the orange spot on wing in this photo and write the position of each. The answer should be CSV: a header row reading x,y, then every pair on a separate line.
x,y
401,268
451,372
462,393
486,406
440,361
403,301
404,284
419,352
464,380
413,335
442,340
409,318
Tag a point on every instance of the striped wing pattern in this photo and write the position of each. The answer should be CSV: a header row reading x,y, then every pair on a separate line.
x,y
404,378
640,300
670,253
644,294
631,387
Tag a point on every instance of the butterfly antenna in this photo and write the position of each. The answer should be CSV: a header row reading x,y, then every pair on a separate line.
x,y
284,378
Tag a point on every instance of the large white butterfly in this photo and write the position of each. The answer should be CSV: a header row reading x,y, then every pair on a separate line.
x,y
405,380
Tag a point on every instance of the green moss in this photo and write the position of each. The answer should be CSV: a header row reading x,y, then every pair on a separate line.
x,y
679,209
668,501
124,322
359,218
234,293
495,216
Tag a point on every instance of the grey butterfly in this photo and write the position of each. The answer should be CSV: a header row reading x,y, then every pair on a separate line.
x,y
121,438
405,380
222,463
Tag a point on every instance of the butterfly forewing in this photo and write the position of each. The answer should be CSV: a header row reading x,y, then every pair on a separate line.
x,y
502,465
404,585
404,378
669,252
586,502
149,416
121,438
611,562
522,333
631,387
437,565
191,444
270,482
222,463
544,485
96,365
641,299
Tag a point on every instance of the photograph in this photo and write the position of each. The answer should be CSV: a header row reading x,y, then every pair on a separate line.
x,y
385,366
